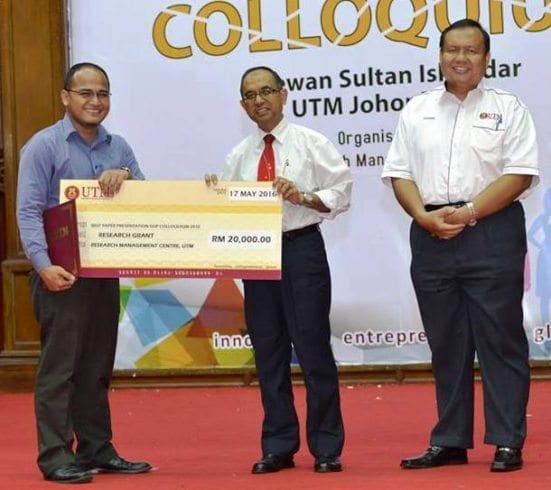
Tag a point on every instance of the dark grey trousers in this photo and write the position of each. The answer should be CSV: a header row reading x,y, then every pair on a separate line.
x,y
469,291
296,310
78,340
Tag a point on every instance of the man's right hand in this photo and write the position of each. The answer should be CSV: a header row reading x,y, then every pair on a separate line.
x,y
56,278
211,179
435,223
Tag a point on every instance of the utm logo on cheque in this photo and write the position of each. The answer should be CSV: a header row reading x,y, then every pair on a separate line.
x,y
72,192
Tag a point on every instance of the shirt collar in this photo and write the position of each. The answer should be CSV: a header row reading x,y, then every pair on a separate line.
x,y
278,132
68,129
479,89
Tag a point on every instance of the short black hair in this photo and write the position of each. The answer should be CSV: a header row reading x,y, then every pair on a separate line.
x,y
463,23
70,75
279,81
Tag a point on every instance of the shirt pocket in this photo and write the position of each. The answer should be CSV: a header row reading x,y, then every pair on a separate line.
x,y
298,169
487,141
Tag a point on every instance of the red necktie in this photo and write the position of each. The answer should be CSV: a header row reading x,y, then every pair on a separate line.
x,y
266,164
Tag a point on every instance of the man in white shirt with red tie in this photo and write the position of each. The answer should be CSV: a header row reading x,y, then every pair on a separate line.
x,y
315,184
462,157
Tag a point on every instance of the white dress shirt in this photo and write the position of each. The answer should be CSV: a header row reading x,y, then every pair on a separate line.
x,y
454,149
303,156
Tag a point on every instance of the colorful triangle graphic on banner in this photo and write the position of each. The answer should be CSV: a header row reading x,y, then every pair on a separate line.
x,y
221,318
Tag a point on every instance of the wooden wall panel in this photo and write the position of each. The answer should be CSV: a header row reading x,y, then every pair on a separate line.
x,y
32,68
32,65
21,332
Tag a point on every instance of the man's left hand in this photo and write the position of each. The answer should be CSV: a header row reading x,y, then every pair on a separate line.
x,y
460,216
288,190
111,180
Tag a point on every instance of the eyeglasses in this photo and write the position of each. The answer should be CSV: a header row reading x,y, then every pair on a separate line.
x,y
89,94
264,93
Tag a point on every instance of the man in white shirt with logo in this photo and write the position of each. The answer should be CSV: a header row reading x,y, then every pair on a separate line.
x,y
462,156
315,184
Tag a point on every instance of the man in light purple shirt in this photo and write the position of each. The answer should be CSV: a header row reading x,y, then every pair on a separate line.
x,y
78,317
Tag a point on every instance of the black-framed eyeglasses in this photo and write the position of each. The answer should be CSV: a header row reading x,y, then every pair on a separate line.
x,y
264,93
89,94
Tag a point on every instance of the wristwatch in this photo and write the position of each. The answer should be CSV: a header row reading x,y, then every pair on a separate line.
x,y
307,199
472,213
128,170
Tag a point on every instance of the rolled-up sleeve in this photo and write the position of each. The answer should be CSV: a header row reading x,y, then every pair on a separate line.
x,y
128,159
333,177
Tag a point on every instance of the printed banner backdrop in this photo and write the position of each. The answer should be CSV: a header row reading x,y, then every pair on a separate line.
x,y
350,67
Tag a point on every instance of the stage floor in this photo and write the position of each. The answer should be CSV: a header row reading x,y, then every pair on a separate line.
x,y
208,438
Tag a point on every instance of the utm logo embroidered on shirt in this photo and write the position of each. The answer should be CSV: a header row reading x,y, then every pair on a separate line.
x,y
490,115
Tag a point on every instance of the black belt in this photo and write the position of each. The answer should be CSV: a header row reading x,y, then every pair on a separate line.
x,y
434,207
292,234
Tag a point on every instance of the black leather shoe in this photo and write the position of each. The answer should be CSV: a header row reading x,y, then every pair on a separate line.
x,y
272,463
507,459
69,473
327,464
120,465
436,456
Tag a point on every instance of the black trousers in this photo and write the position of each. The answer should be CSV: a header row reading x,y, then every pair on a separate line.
x,y
78,340
296,310
469,291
